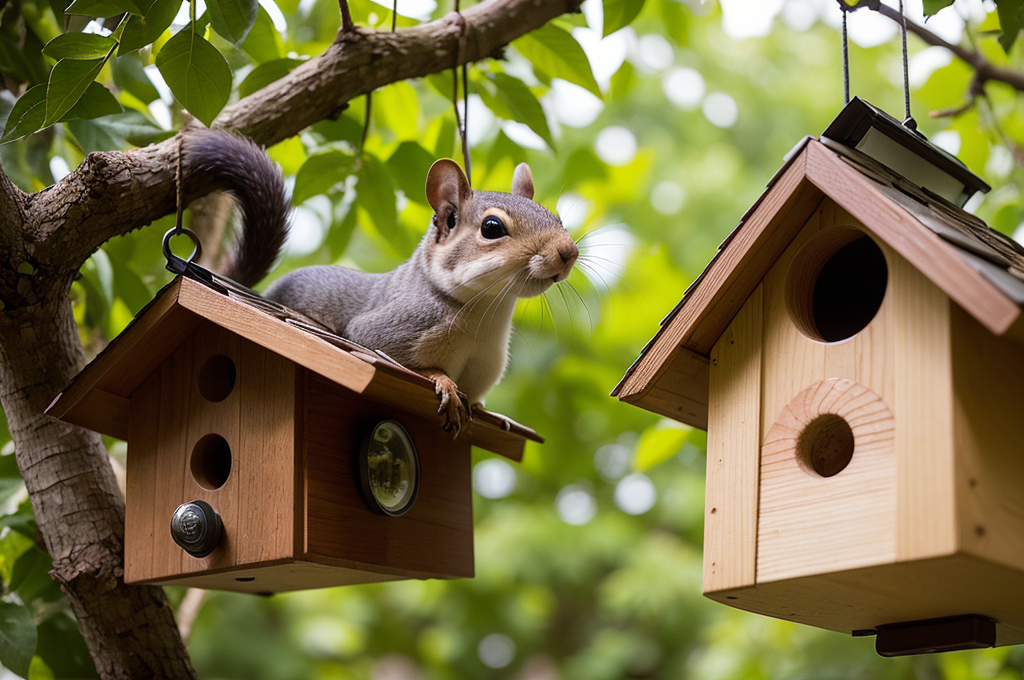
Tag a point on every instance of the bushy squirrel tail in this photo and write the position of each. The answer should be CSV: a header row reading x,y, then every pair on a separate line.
x,y
242,167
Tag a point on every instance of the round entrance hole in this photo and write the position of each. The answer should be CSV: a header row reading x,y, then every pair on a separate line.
x,y
826,445
217,378
211,462
836,285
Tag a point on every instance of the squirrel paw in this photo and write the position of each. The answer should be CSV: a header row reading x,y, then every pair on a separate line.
x,y
454,408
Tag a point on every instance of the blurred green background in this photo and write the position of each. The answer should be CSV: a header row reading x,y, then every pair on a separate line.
x,y
588,554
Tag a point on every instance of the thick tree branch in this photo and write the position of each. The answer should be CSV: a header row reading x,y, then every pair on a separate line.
x,y
985,70
113,193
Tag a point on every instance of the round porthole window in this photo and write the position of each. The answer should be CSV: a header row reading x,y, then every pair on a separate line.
x,y
389,469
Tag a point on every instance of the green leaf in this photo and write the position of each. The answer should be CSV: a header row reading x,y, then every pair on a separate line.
x,y
409,165
232,19
620,13
555,52
933,6
103,8
97,101
31,577
62,648
263,43
130,76
69,80
10,477
141,31
1011,19
79,46
197,74
320,173
22,55
657,444
376,195
17,637
523,105
119,131
266,73
27,115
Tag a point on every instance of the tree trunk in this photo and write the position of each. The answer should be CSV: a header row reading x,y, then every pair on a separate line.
x,y
78,506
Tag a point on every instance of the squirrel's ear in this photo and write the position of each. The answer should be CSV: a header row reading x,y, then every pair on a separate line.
x,y
522,181
447,190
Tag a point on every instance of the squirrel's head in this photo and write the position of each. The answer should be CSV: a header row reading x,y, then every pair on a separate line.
x,y
492,243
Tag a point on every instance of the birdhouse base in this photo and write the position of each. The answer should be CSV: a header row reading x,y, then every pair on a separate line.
x,y
859,601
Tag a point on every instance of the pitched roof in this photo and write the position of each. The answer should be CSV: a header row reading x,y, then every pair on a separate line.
x,y
98,397
977,267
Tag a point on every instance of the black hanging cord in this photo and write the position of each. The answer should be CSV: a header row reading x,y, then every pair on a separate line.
x,y
908,120
175,263
846,59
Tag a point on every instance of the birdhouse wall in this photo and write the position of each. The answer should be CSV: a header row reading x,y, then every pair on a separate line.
x,y
433,540
989,440
174,456
770,380
927,519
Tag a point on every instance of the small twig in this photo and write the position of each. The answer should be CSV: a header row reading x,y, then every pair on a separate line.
x,y
188,610
974,90
346,16
984,69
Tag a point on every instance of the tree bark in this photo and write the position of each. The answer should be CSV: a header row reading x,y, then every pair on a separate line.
x,y
44,239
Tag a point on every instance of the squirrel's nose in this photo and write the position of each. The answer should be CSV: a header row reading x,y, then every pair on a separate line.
x,y
568,252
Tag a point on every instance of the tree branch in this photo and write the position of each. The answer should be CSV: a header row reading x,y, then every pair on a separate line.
x,y
984,69
113,193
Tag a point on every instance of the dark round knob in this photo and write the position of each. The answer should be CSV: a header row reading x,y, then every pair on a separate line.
x,y
196,527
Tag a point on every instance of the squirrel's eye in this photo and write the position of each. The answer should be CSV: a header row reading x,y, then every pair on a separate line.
x,y
493,228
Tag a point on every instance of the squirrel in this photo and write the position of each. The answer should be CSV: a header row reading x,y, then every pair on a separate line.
x,y
446,312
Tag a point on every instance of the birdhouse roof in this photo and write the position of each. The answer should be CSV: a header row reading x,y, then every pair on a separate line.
x,y
98,398
980,269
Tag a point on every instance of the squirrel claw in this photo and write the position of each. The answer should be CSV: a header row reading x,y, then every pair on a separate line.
x,y
454,407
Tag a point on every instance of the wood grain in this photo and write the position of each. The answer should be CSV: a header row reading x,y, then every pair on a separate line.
x,y
989,436
809,524
860,599
433,540
734,442
681,392
923,406
920,246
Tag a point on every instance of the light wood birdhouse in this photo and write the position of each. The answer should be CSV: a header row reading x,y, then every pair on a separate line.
x,y
856,353
285,457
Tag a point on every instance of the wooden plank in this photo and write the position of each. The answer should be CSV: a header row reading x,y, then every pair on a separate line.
x,y
989,430
923,248
433,540
276,577
299,346
923,406
127,361
734,446
860,599
812,524
681,393
730,279
143,520
101,412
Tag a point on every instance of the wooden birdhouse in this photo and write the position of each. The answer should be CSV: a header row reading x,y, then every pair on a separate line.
x,y
284,457
855,351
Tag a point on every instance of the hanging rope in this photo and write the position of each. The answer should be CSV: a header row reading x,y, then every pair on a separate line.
x,y
462,122
908,119
175,263
846,59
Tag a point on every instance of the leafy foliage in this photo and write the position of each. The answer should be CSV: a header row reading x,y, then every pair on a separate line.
x,y
575,579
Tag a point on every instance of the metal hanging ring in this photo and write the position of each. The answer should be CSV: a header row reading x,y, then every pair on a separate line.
x,y
197,249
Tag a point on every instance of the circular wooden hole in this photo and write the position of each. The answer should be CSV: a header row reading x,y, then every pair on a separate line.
x,y
211,462
826,445
217,378
836,285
